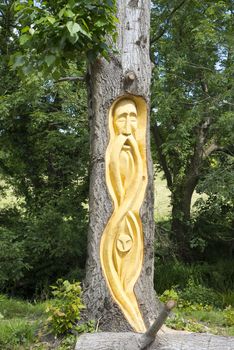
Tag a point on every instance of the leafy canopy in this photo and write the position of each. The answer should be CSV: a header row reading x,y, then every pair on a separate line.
x,y
54,33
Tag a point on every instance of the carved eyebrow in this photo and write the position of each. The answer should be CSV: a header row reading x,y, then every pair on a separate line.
x,y
121,115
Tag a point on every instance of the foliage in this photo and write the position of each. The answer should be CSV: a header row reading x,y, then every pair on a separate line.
x,y
12,256
214,216
68,342
22,325
179,322
192,49
192,297
197,293
88,327
66,308
44,156
217,276
194,316
54,33
229,316
169,294
44,159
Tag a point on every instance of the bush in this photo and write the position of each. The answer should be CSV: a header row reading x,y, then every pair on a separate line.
x,y
229,316
12,256
65,310
218,276
198,294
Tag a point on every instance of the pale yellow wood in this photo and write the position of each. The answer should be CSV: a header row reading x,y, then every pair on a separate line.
x,y
122,243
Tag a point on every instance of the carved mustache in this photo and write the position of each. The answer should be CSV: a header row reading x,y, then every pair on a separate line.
x,y
123,140
117,146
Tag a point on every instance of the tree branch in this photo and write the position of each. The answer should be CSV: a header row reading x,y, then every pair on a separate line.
x,y
70,79
215,148
149,336
163,30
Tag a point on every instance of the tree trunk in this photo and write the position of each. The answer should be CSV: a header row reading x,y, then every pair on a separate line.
x,y
181,215
126,75
121,188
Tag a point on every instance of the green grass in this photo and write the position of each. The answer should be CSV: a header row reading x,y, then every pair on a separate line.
x,y
22,324
19,323
17,333
13,308
212,321
23,327
162,206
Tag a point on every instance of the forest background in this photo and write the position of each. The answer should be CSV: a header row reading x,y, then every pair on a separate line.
x,y
44,144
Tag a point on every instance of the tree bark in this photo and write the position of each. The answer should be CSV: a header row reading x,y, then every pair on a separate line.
x,y
127,73
181,215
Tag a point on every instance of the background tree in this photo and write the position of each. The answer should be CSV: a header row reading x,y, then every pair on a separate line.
x,y
44,157
192,93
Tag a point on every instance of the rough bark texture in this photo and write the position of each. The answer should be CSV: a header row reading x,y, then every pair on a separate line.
x,y
169,340
126,72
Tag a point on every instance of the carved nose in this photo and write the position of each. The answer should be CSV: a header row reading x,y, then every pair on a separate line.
x,y
127,128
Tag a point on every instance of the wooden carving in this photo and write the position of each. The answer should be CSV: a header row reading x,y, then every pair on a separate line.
x,y
122,241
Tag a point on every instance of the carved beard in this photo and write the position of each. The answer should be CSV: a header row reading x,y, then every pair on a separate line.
x,y
121,266
125,164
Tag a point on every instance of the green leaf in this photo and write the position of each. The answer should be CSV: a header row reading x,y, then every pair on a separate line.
x,y
61,12
25,29
24,38
51,19
31,31
73,28
73,39
50,59
100,23
68,13
17,61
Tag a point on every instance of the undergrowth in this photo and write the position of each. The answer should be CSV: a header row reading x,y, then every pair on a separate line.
x,y
25,325
199,310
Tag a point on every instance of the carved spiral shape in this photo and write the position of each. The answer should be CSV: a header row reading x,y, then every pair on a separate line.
x,y
122,243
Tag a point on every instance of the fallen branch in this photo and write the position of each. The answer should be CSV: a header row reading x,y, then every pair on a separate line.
x,y
149,336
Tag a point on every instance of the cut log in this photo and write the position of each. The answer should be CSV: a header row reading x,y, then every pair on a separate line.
x,y
170,340
165,339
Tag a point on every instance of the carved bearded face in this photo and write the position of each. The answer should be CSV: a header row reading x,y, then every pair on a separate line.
x,y
125,117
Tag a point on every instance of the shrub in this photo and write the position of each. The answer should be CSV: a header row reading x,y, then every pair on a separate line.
x,y
66,308
169,294
178,322
218,276
229,316
198,294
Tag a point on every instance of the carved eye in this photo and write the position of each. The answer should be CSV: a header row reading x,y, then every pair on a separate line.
x,y
133,117
121,120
